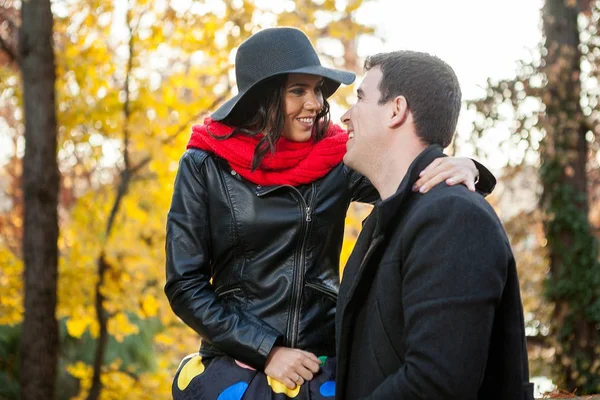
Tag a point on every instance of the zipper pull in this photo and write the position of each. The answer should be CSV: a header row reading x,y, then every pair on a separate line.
x,y
308,218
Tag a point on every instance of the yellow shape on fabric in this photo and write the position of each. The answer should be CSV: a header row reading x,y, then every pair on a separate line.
x,y
192,369
279,387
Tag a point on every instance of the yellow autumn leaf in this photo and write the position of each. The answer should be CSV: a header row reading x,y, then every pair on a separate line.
x,y
120,327
76,326
150,306
80,370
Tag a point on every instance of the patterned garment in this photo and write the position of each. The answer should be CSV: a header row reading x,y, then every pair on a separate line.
x,y
223,378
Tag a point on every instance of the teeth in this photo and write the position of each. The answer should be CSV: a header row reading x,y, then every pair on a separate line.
x,y
306,120
351,135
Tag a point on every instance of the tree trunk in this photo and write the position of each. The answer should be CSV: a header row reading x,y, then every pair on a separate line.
x,y
39,346
573,250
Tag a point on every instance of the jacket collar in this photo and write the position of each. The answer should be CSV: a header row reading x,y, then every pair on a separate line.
x,y
386,210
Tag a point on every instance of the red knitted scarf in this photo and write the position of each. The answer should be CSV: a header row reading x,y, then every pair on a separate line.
x,y
292,163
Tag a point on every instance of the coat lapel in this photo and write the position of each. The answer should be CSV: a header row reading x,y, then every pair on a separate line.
x,y
358,273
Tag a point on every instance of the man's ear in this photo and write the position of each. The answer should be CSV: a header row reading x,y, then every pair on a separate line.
x,y
399,109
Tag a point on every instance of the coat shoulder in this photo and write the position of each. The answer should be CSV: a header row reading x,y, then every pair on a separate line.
x,y
445,200
455,209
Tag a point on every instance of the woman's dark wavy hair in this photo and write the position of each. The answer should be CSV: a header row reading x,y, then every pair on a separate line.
x,y
261,110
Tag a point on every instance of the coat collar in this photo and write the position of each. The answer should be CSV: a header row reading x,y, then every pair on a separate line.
x,y
388,209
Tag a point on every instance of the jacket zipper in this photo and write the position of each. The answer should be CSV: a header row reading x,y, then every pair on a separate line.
x,y
298,278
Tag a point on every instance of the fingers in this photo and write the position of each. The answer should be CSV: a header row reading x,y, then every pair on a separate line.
x,y
291,377
308,364
425,183
298,380
462,178
304,374
470,183
436,172
433,165
311,366
312,357
451,170
292,366
295,374
287,382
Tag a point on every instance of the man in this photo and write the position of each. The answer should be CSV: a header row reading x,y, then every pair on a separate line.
x,y
429,305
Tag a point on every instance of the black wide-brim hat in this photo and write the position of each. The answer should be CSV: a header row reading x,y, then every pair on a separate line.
x,y
276,51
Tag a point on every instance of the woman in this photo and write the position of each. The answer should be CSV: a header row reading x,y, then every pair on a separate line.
x,y
256,224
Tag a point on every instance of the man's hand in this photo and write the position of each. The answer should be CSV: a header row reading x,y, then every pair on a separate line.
x,y
453,170
292,367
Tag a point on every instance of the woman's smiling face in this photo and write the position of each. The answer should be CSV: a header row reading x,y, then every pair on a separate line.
x,y
303,99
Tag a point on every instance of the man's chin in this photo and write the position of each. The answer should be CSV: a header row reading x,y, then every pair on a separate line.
x,y
348,160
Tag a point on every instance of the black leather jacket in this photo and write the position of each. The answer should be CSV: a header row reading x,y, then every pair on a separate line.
x,y
249,267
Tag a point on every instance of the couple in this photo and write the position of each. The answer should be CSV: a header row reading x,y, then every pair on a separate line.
x,y
429,305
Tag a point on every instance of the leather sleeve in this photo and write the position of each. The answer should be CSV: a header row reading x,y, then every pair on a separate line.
x,y
361,188
487,180
240,334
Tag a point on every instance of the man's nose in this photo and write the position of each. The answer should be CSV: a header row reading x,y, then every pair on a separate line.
x,y
346,117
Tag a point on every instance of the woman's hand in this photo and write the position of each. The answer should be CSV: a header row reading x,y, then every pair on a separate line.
x,y
453,170
292,367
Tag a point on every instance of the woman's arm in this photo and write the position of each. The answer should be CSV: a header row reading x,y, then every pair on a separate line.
x,y
452,170
456,170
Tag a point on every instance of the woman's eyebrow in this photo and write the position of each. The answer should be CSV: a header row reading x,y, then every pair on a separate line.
x,y
303,84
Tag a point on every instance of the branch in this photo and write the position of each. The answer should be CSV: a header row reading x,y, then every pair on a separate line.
x,y
183,126
134,30
132,375
14,248
11,49
121,192
144,178
102,263
12,55
140,165
127,104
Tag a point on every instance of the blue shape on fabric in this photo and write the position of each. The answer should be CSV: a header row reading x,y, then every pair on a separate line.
x,y
328,389
234,392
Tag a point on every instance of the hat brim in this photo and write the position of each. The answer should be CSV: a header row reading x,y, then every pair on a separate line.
x,y
333,79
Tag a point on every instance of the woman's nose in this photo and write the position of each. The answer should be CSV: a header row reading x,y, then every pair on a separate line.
x,y
312,103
